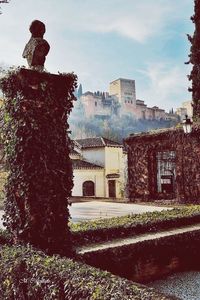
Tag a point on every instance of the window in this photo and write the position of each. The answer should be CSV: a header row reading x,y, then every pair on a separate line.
x,y
88,188
166,171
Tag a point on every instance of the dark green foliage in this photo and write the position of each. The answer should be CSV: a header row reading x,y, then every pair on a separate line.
x,y
29,275
195,61
88,232
36,109
122,227
149,259
4,237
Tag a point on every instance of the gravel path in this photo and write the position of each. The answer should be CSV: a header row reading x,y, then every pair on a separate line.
x,y
184,285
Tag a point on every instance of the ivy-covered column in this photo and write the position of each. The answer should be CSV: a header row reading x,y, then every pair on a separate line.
x,y
37,105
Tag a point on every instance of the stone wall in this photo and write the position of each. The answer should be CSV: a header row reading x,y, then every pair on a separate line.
x,y
142,164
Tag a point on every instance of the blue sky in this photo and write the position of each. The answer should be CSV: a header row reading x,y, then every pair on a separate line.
x,y
102,40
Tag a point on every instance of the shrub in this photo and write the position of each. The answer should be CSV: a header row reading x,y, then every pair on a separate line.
x,y
112,228
31,275
122,227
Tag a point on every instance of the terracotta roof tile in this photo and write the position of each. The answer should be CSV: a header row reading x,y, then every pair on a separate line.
x,y
74,152
82,164
97,142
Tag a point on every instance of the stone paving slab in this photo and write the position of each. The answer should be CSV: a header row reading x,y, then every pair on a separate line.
x,y
137,239
84,211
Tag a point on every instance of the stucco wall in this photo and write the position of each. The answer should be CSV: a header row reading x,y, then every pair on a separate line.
x,y
114,164
82,175
95,155
113,161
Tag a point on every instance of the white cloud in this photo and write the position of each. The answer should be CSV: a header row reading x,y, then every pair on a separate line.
x,y
69,24
138,20
130,18
166,85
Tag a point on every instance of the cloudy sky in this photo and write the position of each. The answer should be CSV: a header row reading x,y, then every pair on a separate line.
x,y
102,40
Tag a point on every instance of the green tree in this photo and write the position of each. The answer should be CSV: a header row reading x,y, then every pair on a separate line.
x,y
194,59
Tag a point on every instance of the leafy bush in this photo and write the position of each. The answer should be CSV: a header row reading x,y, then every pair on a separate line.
x,y
107,229
4,237
120,227
31,275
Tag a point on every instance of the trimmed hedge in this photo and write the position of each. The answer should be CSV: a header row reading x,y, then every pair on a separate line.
x,y
4,237
121,227
150,259
31,275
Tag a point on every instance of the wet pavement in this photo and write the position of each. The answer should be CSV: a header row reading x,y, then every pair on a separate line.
x,y
84,211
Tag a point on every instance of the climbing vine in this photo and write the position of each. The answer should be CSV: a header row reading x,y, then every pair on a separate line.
x,y
142,164
36,109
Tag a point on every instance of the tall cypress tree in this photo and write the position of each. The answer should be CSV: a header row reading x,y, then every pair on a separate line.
x,y
195,61
80,91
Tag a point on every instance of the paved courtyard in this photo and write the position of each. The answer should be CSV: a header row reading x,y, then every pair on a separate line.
x,y
94,210
84,211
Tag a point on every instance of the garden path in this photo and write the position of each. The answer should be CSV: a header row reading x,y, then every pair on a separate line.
x,y
138,238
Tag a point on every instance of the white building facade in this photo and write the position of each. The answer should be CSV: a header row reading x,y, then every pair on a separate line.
x,y
99,168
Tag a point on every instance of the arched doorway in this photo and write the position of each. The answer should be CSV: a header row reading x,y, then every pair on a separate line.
x,y
88,188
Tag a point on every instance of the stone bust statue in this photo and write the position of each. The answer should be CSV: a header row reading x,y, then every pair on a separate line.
x,y
37,48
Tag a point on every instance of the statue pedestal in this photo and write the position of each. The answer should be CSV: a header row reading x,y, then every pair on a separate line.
x,y
40,180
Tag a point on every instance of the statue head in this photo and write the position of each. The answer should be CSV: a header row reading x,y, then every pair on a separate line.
x,y
37,48
37,29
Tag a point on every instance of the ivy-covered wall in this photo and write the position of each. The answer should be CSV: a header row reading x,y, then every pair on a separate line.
x,y
142,164
36,109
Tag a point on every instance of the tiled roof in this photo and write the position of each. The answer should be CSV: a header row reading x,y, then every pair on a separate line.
x,y
97,142
164,132
82,164
74,152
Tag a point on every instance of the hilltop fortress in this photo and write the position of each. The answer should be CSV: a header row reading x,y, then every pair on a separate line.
x,y
121,100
